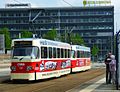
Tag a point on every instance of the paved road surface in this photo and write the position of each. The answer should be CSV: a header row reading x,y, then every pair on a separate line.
x,y
61,84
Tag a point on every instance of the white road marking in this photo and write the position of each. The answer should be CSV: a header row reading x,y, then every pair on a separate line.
x,y
4,69
93,86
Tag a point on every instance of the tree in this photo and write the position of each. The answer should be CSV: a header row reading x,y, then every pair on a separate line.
x,y
73,38
26,34
77,39
6,33
95,51
52,34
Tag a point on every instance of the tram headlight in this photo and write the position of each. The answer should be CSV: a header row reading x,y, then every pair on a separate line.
x,y
13,68
29,68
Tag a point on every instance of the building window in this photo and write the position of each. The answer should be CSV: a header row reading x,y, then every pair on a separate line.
x,y
64,13
25,14
54,14
11,14
5,21
18,14
108,12
78,13
70,13
25,21
18,21
47,14
3,14
93,41
70,20
63,20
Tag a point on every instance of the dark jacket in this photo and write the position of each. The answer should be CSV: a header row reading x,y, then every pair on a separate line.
x,y
107,61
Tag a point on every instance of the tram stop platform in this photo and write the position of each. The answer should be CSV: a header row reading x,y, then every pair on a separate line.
x,y
95,85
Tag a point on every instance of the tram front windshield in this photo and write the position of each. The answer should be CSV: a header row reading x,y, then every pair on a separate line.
x,y
26,52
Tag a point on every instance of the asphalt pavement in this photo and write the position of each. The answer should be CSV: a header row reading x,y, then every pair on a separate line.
x,y
4,67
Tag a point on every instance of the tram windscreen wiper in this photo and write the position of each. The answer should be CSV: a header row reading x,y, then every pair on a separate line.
x,y
21,58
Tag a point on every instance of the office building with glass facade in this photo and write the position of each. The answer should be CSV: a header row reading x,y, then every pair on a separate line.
x,y
94,24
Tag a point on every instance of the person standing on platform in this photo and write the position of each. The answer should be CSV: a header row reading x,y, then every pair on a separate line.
x,y
112,66
108,73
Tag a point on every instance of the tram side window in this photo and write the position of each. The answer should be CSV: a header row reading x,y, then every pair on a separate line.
x,y
50,52
73,54
54,53
62,53
69,51
81,54
58,52
88,54
78,54
66,53
85,54
43,52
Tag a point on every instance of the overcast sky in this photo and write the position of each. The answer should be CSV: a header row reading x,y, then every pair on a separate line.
x,y
61,3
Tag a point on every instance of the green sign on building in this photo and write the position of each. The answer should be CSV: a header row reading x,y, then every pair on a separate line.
x,y
93,2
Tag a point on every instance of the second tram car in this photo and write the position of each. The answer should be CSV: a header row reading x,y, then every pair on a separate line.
x,y
80,58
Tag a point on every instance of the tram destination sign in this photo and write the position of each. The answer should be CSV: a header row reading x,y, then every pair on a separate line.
x,y
23,43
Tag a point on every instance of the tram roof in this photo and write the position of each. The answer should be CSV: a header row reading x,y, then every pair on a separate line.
x,y
44,42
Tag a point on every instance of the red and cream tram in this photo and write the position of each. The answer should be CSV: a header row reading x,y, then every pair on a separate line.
x,y
34,59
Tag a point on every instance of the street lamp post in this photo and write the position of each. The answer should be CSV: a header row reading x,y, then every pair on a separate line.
x,y
69,38
101,49
59,25
117,60
31,21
